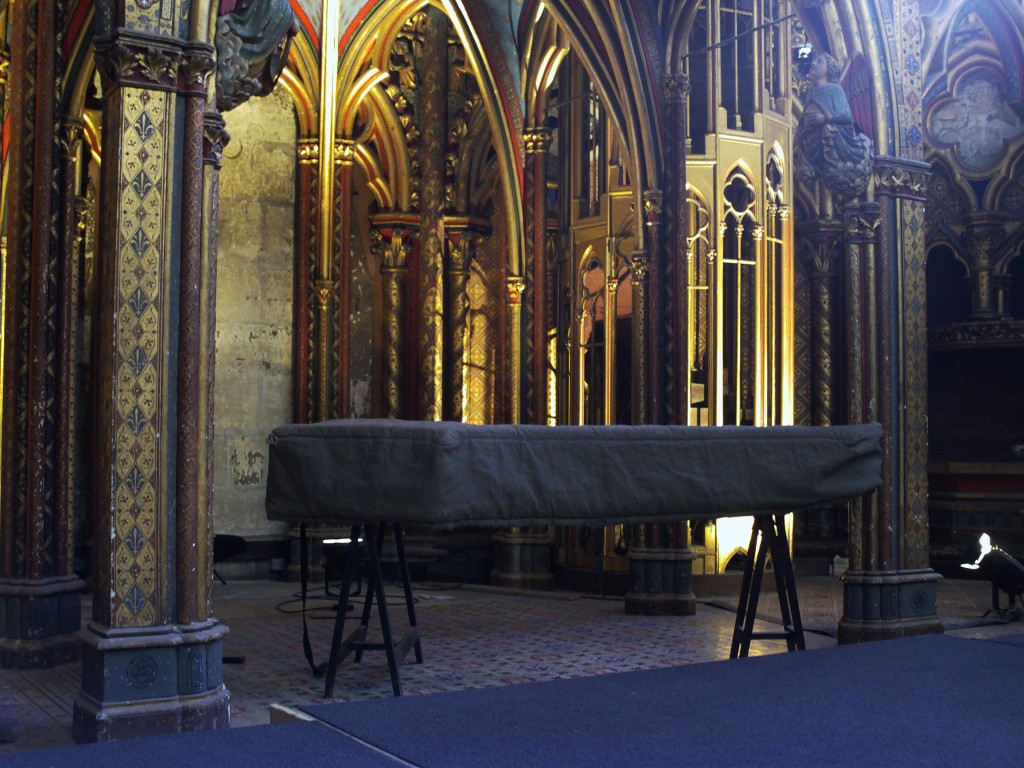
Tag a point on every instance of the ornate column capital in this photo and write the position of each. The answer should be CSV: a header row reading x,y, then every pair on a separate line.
x,y
344,152
652,202
308,151
982,243
677,88
149,61
537,140
514,288
215,138
463,234
324,289
393,246
861,223
5,65
821,253
898,177
391,237
71,138
639,266
195,66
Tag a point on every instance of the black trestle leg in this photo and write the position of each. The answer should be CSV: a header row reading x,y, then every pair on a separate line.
x,y
403,565
356,642
351,566
785,585
768,536
740,632
377,587
373,548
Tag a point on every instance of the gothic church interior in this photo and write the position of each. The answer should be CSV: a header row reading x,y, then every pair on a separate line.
x,y
220,216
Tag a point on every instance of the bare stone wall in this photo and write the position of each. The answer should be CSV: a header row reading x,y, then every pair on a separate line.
x,y
255,254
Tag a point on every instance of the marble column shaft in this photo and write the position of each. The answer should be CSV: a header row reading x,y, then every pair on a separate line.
x,y
344,158
677,216
433,143
152,651
39,595
305,266
393,247
889,590
535,295
514,287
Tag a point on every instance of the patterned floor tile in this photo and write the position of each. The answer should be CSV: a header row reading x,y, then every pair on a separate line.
x,y
472,637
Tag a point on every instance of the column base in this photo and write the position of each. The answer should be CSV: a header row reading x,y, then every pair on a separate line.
x,y
95,721
523,560
662,583
886,605
150,680
39,621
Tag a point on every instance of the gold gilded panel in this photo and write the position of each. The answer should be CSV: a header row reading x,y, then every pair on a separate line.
x,y
915,390
140,341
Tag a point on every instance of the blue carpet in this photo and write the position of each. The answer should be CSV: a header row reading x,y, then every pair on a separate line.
x,y
1009,640
923,701
310,745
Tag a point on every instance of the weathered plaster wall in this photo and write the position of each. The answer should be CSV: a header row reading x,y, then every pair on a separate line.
x,y
253,385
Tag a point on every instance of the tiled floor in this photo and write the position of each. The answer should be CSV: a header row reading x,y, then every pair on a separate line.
x,y
472,637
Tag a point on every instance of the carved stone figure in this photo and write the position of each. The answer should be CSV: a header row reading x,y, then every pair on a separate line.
x,y
829,147
253,38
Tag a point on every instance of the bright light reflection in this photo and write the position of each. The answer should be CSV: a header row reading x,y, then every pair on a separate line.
x,y
986,546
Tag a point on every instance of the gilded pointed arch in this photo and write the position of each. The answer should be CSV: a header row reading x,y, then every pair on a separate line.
x,y
374,40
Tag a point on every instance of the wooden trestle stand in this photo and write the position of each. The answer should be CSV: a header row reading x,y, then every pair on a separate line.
x,y
767,537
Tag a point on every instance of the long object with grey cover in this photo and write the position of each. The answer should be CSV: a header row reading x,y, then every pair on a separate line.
x,y
446,474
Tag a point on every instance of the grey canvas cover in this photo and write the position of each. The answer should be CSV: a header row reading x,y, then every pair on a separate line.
x,y
447,474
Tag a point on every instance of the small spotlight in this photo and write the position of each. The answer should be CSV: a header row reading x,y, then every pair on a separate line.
x,y
803,56
1005,573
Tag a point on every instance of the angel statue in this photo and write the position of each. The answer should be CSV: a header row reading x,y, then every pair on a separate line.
x,y
829,147
253,37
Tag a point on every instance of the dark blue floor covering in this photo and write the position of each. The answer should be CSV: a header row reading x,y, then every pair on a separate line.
x,y
310,745
924,701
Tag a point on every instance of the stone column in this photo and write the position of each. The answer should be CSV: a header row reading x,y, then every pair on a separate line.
x,y
889,590
393,246
324,364
648,390
639,270
661,562
344,158
522,555
40,597
307,183
434,139
152,651
515,286
824,254
677,213
70,417
461,243
214,138
537,142
821,249
983,239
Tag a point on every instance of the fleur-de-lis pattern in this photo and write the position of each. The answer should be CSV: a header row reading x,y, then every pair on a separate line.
x,y
164,17
140,339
